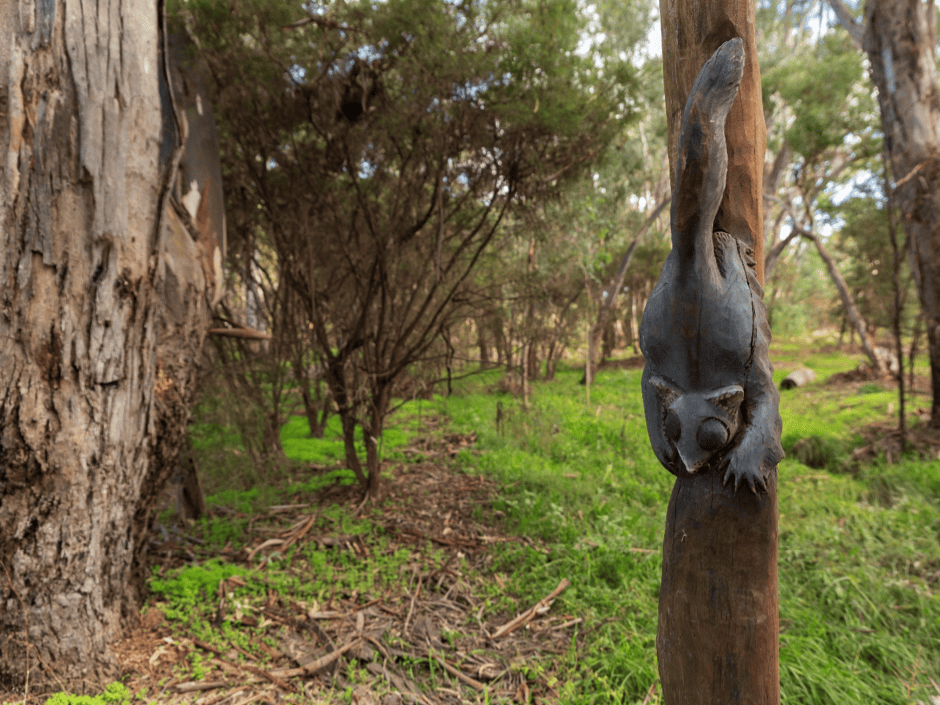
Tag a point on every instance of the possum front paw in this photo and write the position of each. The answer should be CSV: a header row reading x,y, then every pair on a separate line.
x,y
747,463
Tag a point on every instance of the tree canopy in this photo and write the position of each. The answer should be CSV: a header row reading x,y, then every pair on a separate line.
x,y
379,148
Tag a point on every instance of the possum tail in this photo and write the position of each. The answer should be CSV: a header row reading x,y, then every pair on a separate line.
x,y
702,155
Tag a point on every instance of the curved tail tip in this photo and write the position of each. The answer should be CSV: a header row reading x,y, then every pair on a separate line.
x,y
731,56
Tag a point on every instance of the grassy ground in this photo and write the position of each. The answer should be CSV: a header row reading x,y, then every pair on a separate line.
x,y
859,552
579,488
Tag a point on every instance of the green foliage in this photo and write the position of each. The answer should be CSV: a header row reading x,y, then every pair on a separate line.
x,y
871,388
188,596
826,89
189,588
298,445
868,268
800,294
818,451
115,693
378,148
859,553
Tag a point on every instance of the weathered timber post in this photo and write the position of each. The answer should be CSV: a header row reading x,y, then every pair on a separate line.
x,y
713,421
691,32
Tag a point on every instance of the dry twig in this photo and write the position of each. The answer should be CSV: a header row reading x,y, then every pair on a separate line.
x,y
540,607
317,665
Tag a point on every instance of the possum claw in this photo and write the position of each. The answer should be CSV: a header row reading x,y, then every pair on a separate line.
x,y
743,464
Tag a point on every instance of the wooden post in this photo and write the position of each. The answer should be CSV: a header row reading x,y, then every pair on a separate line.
x,y
711,405
692,30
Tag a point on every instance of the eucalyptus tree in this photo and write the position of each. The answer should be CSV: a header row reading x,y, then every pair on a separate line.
x,y
862,232
381,147
899,39
822,122
635,187
106,288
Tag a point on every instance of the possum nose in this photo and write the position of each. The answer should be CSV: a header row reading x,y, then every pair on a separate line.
x,y
712,434
692,464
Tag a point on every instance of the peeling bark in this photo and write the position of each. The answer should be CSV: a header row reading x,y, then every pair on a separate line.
x,y
94,385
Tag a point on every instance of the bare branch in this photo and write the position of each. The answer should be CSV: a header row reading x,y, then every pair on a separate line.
x,y
855,29
851,311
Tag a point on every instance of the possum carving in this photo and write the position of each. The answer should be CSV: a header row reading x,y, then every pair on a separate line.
x,y
708,392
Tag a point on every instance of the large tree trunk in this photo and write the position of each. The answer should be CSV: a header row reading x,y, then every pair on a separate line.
x,y
96,374
899,40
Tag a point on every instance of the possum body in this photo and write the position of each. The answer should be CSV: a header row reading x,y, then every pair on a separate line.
x,y
708,391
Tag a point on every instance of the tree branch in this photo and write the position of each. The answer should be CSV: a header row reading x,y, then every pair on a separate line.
x,y
851,311
855,29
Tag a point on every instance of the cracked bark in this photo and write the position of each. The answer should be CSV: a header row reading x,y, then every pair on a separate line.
x,y
96,369
898,37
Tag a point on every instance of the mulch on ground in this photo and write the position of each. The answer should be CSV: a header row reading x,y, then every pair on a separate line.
x,y
431,639
884,440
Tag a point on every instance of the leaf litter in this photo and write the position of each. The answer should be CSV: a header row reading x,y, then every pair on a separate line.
x,y
437,634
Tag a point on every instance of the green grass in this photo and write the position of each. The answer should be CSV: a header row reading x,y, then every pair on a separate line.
x,y
859,556
306,574
114,694
859,552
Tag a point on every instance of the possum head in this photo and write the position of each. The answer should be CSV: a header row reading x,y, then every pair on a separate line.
x,y
699,424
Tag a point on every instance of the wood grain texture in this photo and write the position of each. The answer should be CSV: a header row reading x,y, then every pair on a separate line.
x,y
718,605
691,32
706,339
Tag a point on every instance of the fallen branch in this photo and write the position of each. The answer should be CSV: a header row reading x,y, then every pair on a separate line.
x,y
457,673
270,676
252,699
266,544
244,332
411,609
317,665
194,686
299,534
328,614
267,675
540,607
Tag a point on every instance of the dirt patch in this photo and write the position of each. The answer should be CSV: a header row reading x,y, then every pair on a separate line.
x,y
883,440
853,380
432,639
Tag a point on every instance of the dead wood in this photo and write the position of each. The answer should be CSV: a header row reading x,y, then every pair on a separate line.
x,y
540,608
195,686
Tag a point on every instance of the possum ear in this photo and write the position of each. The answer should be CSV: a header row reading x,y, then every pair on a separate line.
x,y
667,393
727,399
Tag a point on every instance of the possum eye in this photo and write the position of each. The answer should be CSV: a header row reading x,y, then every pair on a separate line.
x,y
673,427
712,434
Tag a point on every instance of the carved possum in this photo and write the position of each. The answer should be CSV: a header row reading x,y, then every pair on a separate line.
x,y
708,391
